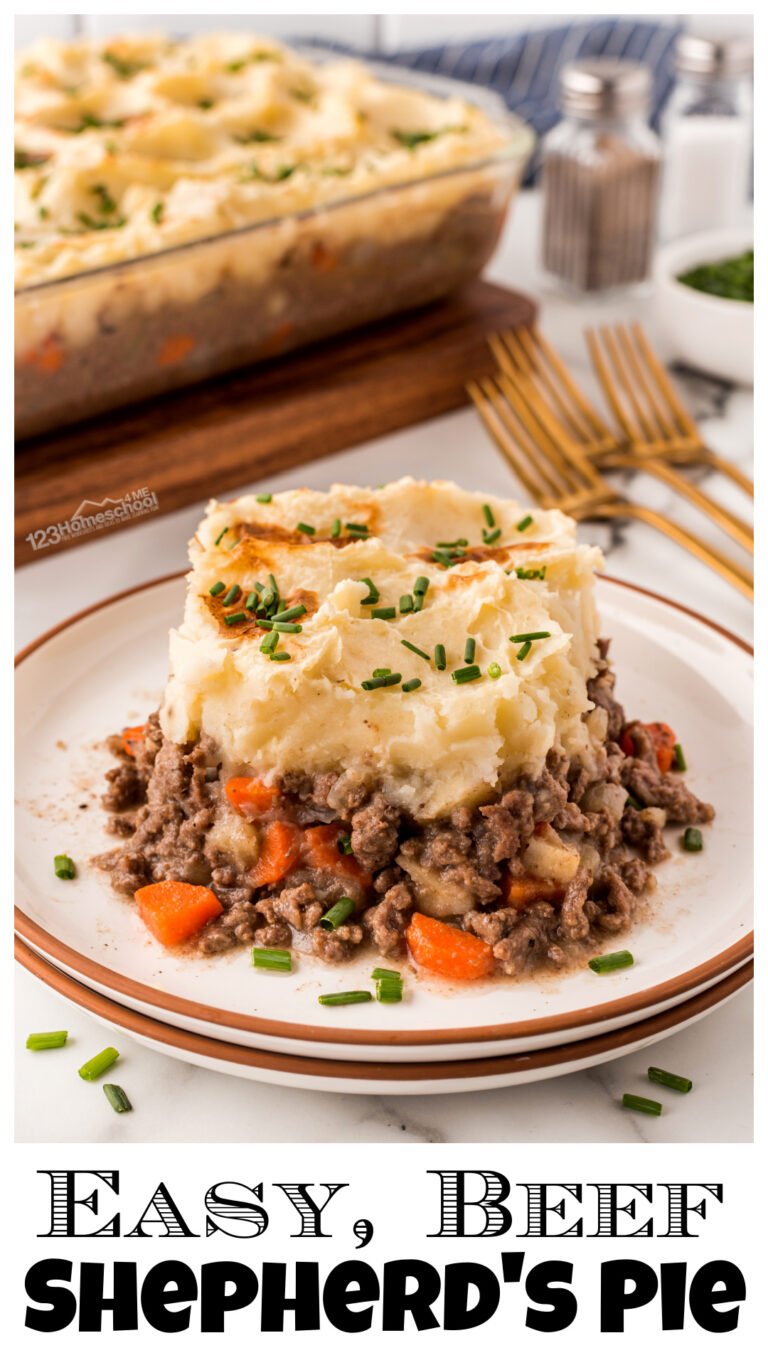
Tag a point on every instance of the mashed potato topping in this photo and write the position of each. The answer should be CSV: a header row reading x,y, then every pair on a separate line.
x,y
130,145
440,745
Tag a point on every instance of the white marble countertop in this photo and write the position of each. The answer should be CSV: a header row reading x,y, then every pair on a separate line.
x,y
175,1102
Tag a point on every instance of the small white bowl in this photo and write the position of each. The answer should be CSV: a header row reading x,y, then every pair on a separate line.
x,y
702,330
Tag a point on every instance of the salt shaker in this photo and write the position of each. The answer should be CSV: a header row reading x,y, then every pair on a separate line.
x,y
707,134
600,175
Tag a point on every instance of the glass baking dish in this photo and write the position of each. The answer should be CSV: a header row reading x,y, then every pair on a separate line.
x,y
114,335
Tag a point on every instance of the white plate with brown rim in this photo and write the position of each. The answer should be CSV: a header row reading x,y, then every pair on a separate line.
x,y
106,668
377,1077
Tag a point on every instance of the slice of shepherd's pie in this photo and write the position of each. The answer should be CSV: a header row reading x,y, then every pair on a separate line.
x,y
390,720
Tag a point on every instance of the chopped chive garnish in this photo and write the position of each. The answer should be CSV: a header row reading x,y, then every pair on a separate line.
x,y
291,613
280,658
273,585
358,526
670,1079
611,962
412,684
530,635
117,1098
490,536
373,594
633,802
338,913
344,843
451,544
252,601
271,959
305,528
221,536
531,573
440,657
415,649
217,589
384,613
232,595
490,520
269,642
420,586
263,497
389,680
524,651
465,675
345,998
494,670
381,672
693,841
40,1042
389,991
358,535
524,524
64,867
642,1105
441,557
680,764
469,651
386,974
285,627
406,604
235,619
90,1071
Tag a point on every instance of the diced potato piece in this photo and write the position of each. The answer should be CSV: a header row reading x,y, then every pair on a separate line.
x,y
434,896
549,859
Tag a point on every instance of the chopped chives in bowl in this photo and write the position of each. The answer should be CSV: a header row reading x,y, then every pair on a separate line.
x,y
611,962
91,1070
64,867
271,959
117,1098
338,913
41,1042
345,998
669,1079
642,1105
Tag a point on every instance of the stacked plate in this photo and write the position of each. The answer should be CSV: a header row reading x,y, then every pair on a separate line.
x,y
691,953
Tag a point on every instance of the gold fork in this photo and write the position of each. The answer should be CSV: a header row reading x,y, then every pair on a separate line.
x,y
574,484
548,399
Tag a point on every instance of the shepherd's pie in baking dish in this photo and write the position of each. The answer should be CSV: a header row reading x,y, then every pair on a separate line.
x,y
390,720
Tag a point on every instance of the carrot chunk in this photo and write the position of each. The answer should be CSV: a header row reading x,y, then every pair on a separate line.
x,y
663,739
321,849
132,735
174,911
447,951
279,853
519,892
250,797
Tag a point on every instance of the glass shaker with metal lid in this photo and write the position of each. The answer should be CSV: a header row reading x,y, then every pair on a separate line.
x,y
707,134
600,174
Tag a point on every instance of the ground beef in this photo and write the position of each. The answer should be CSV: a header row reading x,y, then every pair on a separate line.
x,y
600,691
164,800
651,787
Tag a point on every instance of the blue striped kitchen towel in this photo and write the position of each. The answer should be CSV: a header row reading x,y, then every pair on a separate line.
x,y
524,68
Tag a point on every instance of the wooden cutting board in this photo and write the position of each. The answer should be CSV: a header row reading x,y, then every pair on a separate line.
x,y
243,427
